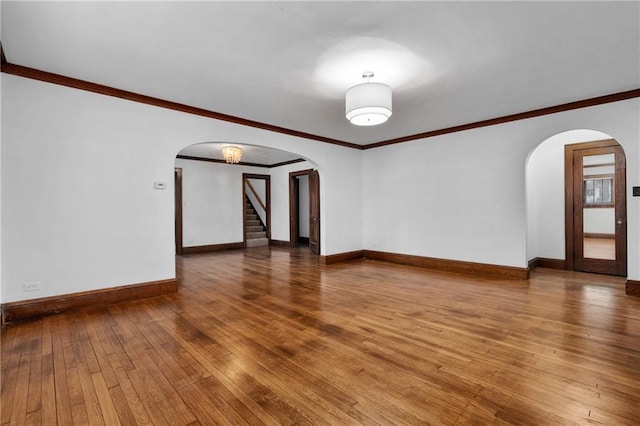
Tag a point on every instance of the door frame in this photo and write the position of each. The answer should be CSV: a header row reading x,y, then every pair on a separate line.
x,y
294,210
177,181
294,201
570,191
267,203
314,212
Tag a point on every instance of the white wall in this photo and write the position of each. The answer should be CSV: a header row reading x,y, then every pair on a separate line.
x,y
545,193
450,197
80,211
303,206
78,172
462,196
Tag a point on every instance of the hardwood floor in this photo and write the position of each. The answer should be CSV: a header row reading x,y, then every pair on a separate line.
x,y
268,336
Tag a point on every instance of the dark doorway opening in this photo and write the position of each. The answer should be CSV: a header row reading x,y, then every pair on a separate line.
x,y
304,217
177,182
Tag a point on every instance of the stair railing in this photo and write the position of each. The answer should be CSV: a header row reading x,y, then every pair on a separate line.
x,y
254,198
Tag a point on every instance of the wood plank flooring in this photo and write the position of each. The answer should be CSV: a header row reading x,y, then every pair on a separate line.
x,y
268,336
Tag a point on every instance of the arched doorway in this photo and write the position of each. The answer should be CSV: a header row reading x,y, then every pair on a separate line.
x,y
211,196
576,203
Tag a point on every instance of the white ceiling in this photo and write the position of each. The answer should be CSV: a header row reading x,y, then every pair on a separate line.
x,y
289,63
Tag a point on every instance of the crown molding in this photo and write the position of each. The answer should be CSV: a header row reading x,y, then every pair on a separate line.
x,y
286,163
584,103
35,74
242,163
48,77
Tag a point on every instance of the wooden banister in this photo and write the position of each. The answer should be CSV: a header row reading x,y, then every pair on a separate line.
x,y
253,190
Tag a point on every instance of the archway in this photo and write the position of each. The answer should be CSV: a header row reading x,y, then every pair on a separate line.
x,y
554,238
213,192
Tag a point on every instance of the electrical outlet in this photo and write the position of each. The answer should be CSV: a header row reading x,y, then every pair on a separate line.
x,y
31,286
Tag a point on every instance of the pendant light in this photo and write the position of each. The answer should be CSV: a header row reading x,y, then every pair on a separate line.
x,y
368,104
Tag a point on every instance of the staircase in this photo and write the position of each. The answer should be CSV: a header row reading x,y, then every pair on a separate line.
x,y
255,230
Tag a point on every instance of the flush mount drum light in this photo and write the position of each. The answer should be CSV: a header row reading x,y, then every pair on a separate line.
x,y
232,154
368,104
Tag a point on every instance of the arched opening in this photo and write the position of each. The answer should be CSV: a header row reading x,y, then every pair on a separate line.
x,y
221,206
576,203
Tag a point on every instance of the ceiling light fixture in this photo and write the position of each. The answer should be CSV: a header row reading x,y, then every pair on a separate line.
x,y
232,154
368,104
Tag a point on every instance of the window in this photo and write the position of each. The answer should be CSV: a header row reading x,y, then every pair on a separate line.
x,y
598,192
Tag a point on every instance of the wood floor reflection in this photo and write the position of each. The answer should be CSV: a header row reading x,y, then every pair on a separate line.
x,y
600,248
268,336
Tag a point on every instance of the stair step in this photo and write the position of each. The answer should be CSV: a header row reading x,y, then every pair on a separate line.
x,y
257,242
255,233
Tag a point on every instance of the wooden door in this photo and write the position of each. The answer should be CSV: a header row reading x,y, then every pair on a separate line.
x,y
599,229
314,211
177,181
294,210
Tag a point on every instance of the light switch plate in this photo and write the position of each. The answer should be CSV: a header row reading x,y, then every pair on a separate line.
x,y
636,191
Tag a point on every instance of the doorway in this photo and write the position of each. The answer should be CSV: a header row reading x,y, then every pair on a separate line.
x,y
299,225
595,207
177,184
302,207
256,216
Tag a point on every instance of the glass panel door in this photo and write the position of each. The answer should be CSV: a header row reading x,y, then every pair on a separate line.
x,y
599,235
598,208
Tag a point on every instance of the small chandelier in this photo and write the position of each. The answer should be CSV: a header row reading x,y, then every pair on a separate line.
x,y
232,154
368,104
